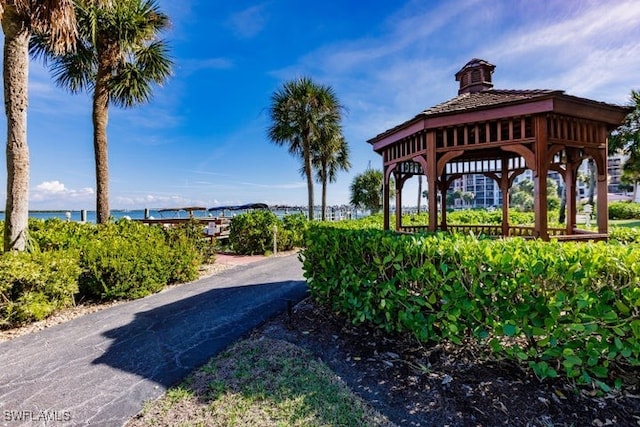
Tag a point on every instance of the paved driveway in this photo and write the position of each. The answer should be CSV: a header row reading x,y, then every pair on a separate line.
x,y
99,369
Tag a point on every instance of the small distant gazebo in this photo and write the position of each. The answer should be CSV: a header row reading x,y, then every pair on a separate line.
x,y
500,134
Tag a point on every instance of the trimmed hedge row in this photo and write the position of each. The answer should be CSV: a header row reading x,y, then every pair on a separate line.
x,y
71,261
624,210
570,309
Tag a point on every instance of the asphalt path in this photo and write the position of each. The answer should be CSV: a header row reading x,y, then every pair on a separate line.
x,y
100,368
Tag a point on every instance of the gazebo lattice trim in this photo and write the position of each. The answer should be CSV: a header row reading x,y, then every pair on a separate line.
x,y
500,134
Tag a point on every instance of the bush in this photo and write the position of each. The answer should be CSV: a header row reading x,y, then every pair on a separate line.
x,y
130,260
34,285
624,235
570,309
295,226
624,210
252,232
54,233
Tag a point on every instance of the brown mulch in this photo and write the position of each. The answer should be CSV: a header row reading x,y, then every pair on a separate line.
x,y
440,385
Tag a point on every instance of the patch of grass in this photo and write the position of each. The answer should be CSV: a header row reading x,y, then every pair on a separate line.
x,y
631,223
262,382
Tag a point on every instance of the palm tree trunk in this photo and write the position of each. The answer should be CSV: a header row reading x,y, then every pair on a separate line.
x,y
309,175
16,75
324,196
100,118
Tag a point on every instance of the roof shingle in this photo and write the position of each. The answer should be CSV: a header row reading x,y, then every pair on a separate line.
x,y
487,98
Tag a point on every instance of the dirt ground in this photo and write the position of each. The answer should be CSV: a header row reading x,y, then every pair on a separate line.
x,y
415,385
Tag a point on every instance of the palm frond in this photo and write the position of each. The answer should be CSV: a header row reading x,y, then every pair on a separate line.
x,y
56,18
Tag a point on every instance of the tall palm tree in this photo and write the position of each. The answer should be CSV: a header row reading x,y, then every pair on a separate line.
x,y
119,57
330,156
301,111
20,18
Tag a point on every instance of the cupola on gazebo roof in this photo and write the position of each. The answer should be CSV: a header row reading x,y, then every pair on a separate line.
x,y
500,134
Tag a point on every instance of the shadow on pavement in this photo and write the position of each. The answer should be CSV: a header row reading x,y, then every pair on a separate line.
x,y
165,343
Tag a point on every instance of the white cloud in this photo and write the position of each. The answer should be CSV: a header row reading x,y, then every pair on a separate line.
x,y
55,195
192,65
248,22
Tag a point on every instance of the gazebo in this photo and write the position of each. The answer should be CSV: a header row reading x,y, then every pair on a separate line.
x,y
500,134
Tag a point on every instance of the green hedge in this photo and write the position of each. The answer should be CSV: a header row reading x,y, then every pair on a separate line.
x,y
624,210
34,285
252,232
570,309
130,260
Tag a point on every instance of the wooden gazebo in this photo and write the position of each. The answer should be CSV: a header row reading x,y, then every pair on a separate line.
x,y
500,134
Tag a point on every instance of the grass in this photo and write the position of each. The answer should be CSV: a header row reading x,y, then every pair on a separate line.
x,y
630,223
261,382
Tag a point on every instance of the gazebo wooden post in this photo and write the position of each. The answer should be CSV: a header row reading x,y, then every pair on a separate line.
x,y
443,202
540,178
570,179
386,196
602,189
399,185
431,180
504,188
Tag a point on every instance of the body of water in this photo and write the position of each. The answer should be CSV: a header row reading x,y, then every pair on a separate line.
x,y
90,216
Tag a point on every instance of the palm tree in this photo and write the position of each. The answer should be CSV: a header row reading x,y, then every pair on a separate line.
x,y
20,18
301,113
329,157
119,56
627,136
366,190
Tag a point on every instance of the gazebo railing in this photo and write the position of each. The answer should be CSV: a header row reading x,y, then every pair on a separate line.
x,y
514,231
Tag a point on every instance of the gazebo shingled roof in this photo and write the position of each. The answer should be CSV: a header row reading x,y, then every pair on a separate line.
x,y
541,130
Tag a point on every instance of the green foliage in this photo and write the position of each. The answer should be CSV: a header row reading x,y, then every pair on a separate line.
x,y
252,232
366,190
570,309
624,235
624,210
295,226
54,234
305,116
34,285
626,137
121,260
522,195
191,235
131,260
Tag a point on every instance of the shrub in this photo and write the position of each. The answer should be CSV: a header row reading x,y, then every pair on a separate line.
x,y
624,235
130,260
188,250
624,210
252,232
295,226
570,309
34,285
54,233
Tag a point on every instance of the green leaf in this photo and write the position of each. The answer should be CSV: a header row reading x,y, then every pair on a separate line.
x,y
622,308
509,330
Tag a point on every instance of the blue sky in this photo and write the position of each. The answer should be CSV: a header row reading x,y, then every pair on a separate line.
x,y
202,140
